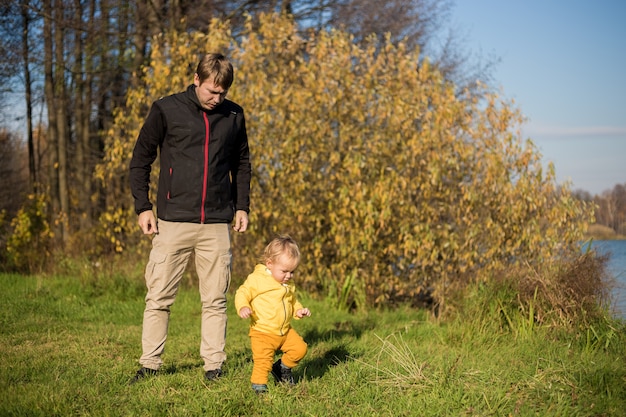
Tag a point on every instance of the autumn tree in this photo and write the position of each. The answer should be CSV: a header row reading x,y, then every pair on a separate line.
x,y
419,24
13,184
10,53
13,172
394,186
611,208
619,191
75,61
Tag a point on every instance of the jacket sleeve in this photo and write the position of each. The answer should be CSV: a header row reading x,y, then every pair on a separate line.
x,y
297,305
145,152
241,170
243,296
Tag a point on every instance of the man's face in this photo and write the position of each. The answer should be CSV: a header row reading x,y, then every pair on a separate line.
x,y
209,94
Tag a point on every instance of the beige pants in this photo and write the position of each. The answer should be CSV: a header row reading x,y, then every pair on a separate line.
x,y
171,250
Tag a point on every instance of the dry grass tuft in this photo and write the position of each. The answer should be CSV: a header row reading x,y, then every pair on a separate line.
x,y
572,292
405,371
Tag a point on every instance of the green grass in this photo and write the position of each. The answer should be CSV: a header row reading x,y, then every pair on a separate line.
x,y
69,348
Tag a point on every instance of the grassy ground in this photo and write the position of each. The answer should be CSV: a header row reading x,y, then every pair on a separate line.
x,y
69,348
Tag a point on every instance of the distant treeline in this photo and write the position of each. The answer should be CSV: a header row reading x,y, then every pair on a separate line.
x,y
610,211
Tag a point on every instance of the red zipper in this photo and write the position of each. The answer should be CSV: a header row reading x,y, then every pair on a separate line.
x,y
206,166
169,192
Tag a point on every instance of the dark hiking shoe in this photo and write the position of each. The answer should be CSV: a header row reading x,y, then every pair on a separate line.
x,y
259,388
282,374
143,373
213,374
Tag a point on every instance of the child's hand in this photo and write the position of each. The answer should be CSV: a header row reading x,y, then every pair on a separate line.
x,y
245,312
302,313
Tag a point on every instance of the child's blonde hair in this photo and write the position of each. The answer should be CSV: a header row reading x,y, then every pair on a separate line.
x,y
282,244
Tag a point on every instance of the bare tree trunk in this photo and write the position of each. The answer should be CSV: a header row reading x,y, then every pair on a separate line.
x,y
32,173
62,121
53,157
82,74
87,184
149,23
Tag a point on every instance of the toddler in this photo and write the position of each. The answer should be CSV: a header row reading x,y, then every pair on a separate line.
x,y
268,298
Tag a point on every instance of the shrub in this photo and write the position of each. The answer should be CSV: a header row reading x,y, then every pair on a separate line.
x,y
569,292
396,187
29,241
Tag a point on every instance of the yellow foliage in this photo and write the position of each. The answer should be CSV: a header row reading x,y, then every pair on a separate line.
x,y
27,246
392,184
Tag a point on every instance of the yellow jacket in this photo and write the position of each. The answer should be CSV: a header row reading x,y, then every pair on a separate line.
x,y
273,304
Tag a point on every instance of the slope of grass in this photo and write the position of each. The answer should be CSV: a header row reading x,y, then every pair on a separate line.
x,y
70,348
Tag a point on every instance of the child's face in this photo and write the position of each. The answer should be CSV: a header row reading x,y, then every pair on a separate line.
x,y
282,268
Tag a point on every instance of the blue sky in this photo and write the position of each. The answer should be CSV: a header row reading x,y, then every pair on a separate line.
x,y
564,64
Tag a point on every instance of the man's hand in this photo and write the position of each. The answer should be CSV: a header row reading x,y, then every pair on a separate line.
x,y
245,312
303,312
241,221
148,222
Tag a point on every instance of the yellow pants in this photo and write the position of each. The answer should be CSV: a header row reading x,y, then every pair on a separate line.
x,y
265,345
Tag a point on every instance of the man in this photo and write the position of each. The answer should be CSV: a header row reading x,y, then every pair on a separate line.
x,y
204,183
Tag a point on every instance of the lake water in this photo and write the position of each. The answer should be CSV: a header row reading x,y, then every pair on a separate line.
x,y
617,266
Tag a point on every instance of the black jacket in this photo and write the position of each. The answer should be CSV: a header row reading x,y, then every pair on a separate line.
x,y
204,160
